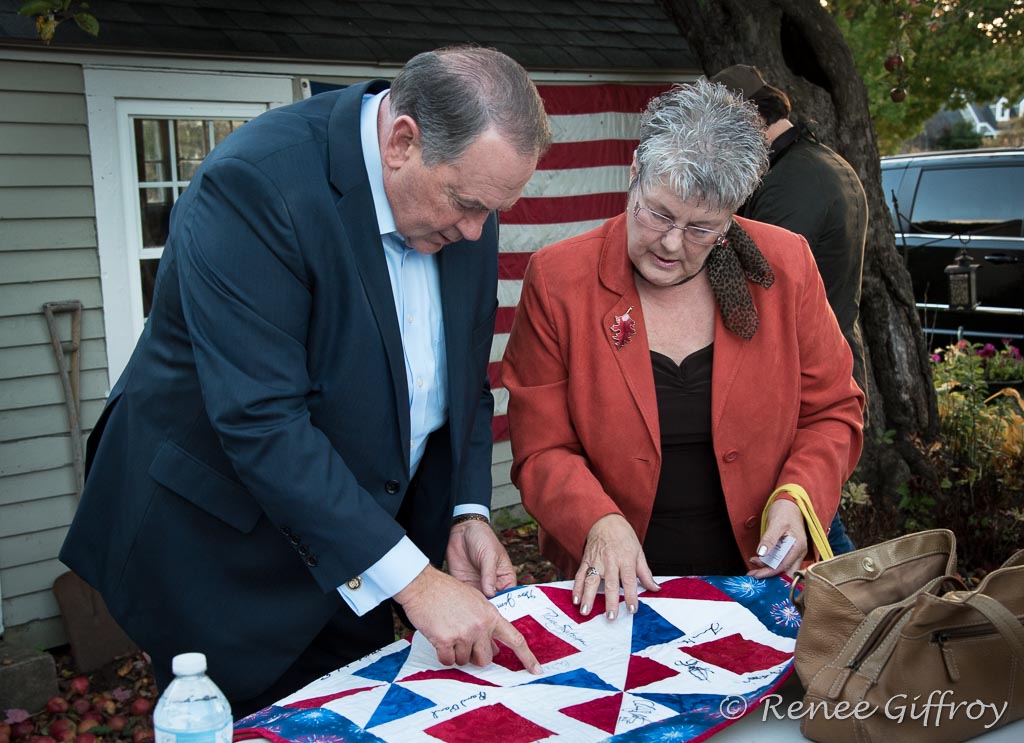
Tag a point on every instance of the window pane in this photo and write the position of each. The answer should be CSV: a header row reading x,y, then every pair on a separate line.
x,y
192,146
147,270
971,201
152,150
155,208
222,128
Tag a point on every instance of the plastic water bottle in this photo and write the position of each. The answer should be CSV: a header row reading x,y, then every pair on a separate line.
x,y
192,709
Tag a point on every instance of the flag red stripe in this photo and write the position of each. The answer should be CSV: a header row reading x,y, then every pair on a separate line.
x,y
512,265
555,209
494,374
503,322
594,154
499,428
561,100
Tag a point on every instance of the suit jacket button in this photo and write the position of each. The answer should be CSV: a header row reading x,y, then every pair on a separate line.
x,y
304,550
295,538
311,561
355,583
730,456
391,487
286,531
751,522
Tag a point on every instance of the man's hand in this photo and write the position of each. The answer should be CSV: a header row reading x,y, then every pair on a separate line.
x,y
477,558
460,623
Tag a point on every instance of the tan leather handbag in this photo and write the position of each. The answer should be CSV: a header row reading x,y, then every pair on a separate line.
x,y
927,660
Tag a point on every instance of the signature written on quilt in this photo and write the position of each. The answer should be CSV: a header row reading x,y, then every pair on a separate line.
x,y
698,670
714,628
555,622
640,713
509,599
460,705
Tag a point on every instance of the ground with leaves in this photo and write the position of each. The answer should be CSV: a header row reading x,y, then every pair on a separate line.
x,y
114,704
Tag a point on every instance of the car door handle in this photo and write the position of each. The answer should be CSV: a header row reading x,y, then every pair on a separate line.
x,y
1002,258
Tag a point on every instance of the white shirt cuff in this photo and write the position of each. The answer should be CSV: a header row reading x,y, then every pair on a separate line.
x,y
386,577
472,508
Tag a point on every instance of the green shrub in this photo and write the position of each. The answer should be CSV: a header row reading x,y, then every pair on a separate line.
x,y
979,461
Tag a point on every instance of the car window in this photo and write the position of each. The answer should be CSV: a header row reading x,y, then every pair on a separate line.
x,y
891,183
975,201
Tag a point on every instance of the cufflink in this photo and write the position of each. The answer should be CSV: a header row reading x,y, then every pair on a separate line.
x,y
354,583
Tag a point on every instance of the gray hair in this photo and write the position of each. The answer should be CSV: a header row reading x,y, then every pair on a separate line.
x,y
457,93
705,143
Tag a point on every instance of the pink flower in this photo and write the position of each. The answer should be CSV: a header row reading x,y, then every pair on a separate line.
x,y
987,351
936,358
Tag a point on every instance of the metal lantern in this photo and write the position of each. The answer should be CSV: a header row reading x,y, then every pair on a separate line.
x,y
963,282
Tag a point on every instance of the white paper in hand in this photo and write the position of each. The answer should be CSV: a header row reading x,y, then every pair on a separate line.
x,y
778,553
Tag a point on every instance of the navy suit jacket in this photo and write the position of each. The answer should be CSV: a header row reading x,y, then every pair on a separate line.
x,y
254,454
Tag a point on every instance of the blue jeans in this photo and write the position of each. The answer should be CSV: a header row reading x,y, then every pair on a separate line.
x,y
838,539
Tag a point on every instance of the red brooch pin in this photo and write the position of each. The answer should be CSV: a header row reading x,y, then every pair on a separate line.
x,y
623,329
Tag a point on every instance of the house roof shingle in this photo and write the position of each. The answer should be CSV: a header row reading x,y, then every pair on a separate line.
x,y
631,35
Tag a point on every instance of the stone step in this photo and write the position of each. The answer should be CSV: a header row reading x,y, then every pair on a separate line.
x,y
28,678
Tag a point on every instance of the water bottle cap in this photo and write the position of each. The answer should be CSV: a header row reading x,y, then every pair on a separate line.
x,y
188,664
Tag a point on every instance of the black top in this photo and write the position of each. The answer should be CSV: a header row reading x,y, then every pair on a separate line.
x,y
689,533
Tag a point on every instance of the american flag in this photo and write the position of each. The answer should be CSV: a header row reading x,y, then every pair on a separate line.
x,y
579,183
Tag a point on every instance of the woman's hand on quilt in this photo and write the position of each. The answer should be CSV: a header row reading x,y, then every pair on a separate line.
x,y
612,554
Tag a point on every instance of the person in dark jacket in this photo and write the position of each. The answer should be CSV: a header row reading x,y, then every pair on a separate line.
x,y
303,433
811,190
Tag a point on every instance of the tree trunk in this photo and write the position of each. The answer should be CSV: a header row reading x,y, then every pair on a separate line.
x,y
799,48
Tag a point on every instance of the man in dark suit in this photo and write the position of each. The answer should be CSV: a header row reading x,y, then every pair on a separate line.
x,y
304,429
811,190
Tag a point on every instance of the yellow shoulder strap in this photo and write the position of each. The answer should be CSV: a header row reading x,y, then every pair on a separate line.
x,y
818,534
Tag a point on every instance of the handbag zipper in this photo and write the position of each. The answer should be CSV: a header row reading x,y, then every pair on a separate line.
x,y
880,631
951,634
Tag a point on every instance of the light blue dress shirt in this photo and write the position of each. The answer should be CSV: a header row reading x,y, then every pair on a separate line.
x,y
416,285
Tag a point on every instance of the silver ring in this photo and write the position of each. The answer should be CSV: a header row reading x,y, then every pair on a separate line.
x,y
593,571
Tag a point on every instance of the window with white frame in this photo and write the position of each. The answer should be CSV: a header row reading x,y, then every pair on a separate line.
x,y
149,129
167,152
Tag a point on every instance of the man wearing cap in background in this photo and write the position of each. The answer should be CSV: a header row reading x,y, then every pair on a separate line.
x,y
811,190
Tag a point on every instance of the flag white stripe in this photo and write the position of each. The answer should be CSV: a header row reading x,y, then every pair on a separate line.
x,y
509,291
578,182
593,127
498,344
527,238
500,400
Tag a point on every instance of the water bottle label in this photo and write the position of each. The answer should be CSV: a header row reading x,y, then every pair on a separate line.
x,y
205,736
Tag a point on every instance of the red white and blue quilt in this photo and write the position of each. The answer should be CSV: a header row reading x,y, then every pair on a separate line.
x,y
677,670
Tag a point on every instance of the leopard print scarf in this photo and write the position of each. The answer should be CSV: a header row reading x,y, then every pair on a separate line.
x,y
727,264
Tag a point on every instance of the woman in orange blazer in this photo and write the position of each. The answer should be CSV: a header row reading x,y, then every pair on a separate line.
x,y
671,369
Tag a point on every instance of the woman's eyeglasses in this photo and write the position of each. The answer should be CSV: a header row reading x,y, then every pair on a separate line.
x,y
660,223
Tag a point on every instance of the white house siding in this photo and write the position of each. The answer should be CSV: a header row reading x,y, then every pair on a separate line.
x,y
47,253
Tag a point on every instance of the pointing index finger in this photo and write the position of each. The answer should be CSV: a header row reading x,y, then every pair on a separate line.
x,y
514,640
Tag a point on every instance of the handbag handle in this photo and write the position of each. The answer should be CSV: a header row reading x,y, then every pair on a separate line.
x,y
1002,619
819,536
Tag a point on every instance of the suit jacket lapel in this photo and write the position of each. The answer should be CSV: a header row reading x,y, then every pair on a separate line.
x,y
355,208
633,356
729,350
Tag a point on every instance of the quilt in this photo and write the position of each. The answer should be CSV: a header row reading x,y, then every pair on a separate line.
x,y
693,658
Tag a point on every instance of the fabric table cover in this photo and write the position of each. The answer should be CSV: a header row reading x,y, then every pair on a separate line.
x,y
693,655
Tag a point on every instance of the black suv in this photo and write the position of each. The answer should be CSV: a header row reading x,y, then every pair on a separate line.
x,y
945,202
